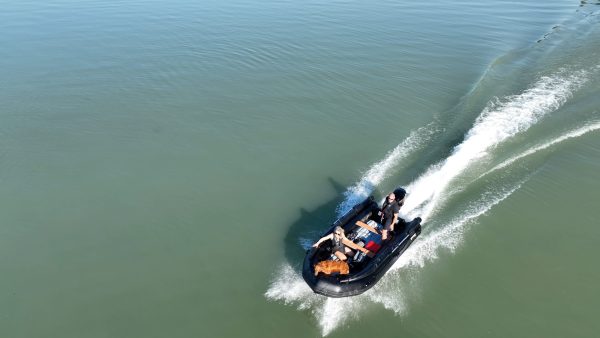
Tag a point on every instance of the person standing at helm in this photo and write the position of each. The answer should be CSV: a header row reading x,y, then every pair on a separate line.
x,y
389,214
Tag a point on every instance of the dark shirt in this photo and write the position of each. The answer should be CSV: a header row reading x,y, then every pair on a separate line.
x,y
337,244
389,210
337,241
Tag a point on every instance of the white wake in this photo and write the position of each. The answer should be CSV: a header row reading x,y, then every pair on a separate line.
x,y
500,120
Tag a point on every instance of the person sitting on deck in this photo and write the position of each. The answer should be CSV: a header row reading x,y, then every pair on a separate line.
x,y
337,237
389,214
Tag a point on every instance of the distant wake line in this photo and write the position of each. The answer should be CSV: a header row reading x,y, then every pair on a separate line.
x,y
500,120
572,134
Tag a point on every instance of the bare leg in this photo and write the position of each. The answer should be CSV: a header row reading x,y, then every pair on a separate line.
x,y
348,252
340,255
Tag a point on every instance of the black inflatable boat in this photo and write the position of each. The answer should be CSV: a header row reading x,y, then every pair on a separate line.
x,y
367,266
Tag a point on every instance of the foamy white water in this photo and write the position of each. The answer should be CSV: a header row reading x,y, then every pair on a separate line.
x,y
500,120
450,235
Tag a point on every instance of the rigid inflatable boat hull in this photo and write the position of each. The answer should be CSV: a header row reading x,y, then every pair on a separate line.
x,y
359,282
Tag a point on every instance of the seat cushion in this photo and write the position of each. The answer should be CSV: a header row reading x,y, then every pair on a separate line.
x,y
373,246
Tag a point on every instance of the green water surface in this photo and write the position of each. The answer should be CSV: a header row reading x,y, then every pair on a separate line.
x,y
162,162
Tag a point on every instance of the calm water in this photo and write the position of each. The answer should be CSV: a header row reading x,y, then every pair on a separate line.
x,y
164,165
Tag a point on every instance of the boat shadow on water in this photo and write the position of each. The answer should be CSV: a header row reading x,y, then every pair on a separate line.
x,y
310,226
